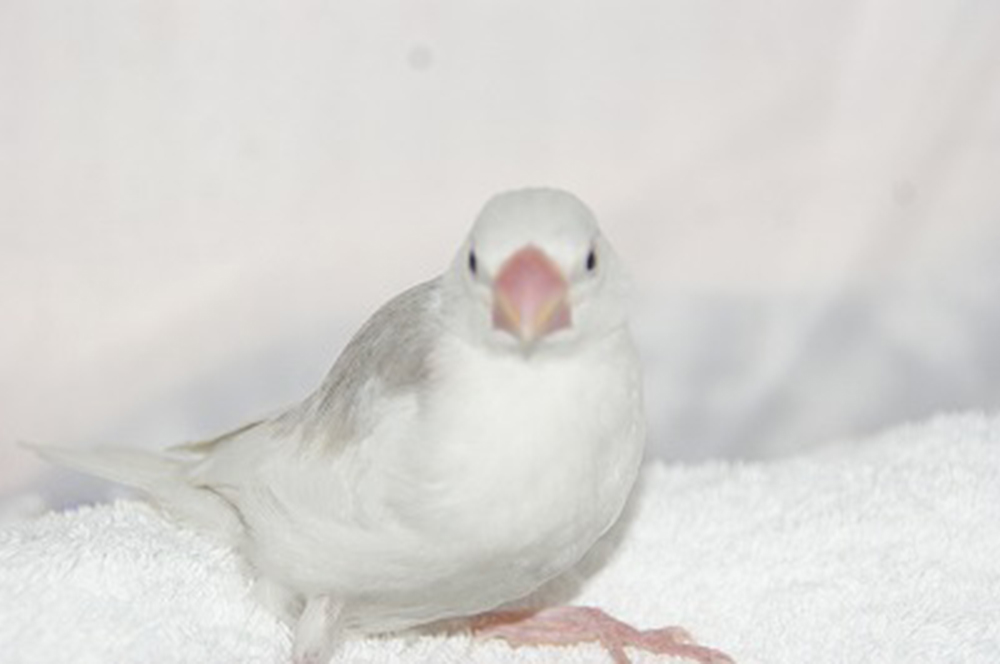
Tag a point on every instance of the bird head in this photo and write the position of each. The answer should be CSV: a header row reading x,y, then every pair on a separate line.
x,y
535,272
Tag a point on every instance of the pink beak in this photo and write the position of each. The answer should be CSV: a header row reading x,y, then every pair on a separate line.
x,y
530,296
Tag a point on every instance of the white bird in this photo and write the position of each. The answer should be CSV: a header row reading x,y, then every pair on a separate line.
x,y
473,440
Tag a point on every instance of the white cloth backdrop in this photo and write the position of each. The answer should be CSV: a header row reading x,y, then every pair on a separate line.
x,y
199,201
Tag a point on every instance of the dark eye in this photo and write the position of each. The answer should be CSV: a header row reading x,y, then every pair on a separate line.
x,y
473,266
591,261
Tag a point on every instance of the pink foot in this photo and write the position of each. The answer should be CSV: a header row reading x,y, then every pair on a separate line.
x,y
578,624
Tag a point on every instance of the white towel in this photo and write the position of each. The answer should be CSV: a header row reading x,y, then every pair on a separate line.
x,y
884,550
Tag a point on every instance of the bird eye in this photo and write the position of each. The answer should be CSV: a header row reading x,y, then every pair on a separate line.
x,y
473,266
591,261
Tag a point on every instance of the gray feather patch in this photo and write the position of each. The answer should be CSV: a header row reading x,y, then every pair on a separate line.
x,y
389,356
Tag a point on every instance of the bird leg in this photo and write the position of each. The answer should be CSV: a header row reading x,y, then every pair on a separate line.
x,y
578,624
316,632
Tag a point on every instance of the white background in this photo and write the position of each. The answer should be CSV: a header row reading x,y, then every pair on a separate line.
x,y
200,201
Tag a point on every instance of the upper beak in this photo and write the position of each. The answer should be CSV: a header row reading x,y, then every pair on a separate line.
x,y
530,296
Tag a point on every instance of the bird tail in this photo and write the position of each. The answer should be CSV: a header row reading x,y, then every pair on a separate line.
x,y
161,477
138,469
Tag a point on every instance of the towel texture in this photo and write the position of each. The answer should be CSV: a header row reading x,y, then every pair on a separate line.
x,y
884,550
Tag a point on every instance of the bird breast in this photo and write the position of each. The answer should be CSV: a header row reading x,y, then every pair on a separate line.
x,y
527,460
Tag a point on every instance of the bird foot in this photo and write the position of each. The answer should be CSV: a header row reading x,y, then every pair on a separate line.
x,y
578,624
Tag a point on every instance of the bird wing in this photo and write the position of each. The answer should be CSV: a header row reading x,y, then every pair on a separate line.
x,y
303,456
389,358
385,363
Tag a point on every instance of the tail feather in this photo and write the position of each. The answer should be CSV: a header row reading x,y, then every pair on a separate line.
x,y
161,477
139,469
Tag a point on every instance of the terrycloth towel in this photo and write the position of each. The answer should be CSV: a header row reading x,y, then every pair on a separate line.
x,y
885,550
